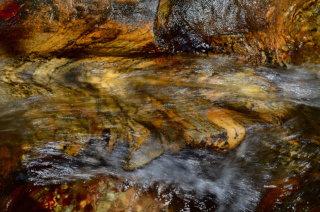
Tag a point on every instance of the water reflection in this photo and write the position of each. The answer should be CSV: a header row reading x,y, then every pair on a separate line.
x,y
201,133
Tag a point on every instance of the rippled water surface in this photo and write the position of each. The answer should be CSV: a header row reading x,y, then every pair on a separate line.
x,y
159,134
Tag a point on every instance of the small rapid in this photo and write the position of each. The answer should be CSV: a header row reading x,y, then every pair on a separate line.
x,y
231,185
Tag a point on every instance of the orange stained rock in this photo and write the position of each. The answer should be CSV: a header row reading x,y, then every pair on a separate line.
x,y
270,11
157,123
171,114
235,131
140,133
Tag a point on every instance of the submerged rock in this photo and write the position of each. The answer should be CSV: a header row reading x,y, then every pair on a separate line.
x,y
139,102
150,149
66,120
99,194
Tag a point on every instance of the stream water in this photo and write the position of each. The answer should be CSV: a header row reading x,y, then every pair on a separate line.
x,y
140,123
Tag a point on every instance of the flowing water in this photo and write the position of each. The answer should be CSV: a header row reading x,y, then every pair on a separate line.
x,y
138,129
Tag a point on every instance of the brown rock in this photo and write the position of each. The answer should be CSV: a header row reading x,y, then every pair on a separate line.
x,y
263,32
75,29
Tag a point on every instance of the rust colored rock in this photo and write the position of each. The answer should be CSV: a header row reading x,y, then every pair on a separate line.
x,y
152,105
78,29
263,32
235,130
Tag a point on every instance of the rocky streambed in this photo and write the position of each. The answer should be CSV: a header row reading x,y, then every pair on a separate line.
x,y
169,105
200,133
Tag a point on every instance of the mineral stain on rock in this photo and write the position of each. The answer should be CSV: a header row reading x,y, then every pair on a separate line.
x,y
262,32
123,106
235,130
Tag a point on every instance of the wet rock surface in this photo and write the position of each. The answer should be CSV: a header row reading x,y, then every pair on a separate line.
x,y
262,32
79,29
98,114
139,99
